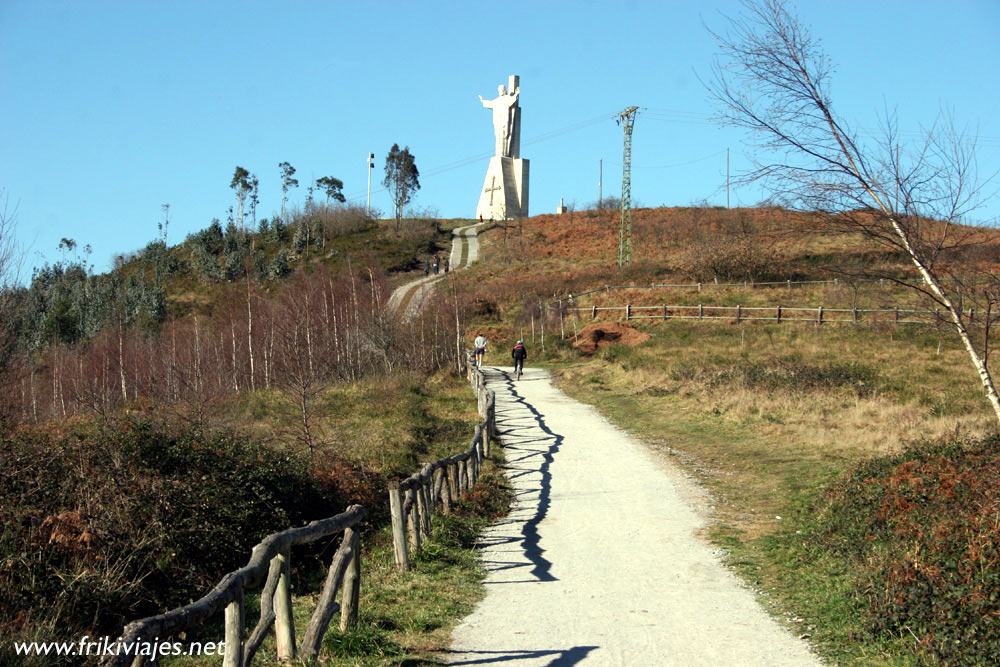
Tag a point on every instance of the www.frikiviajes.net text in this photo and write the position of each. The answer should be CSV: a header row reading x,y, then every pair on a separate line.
x,y
106,646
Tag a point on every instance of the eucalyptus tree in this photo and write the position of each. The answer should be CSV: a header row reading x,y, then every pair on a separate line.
x,y
332,187
287,183
242,186
402,179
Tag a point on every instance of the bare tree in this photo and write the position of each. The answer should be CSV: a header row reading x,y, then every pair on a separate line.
x,y
10,265
774,81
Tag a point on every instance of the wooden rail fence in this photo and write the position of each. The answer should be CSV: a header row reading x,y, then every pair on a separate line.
x,y
436,486
777,284
412,502
740,313
270,563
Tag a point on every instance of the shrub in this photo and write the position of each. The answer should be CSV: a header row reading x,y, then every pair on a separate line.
x,y
860,378
102,523
922,530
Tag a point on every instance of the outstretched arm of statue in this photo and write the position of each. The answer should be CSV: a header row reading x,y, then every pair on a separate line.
x,y
486,103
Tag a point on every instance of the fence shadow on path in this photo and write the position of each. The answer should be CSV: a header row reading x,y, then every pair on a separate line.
x,y
560,657
526,438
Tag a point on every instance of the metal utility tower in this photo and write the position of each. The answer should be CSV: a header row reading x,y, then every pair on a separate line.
x,y
626,119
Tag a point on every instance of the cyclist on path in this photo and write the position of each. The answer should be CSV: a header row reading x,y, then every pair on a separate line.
x,y
519,354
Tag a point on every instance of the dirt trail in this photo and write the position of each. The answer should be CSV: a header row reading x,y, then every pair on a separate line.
x,y
599,562
464,251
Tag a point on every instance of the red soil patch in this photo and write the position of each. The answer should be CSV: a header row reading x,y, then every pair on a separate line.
x,y
600,334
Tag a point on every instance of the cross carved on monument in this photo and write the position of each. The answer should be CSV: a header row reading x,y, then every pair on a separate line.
x,y
493,188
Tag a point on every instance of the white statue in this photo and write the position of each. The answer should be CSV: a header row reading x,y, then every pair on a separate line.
x,y
505,118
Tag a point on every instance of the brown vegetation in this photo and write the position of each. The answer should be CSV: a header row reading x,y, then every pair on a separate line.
x,y
595,336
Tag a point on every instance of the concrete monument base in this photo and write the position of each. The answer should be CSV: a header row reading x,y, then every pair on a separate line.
x,y
505,191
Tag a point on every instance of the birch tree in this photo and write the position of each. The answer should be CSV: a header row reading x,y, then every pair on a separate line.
x,y
773,80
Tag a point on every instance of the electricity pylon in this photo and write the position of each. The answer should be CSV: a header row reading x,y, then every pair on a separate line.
x,y
626,119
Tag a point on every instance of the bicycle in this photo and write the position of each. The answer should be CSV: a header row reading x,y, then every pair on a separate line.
x,y
518,367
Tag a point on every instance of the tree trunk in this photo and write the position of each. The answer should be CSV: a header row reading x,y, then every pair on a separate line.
x,y
253,386
121,358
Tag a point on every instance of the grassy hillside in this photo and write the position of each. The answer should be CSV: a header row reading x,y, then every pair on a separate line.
x,y
160,420
852,467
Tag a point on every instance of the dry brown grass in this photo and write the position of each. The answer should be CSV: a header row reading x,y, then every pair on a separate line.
x,y
686,391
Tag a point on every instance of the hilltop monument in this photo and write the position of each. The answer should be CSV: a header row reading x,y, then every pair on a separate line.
x,y
505,190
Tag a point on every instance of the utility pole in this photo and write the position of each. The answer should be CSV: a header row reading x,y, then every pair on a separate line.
x,y
371,165
626,119
600,185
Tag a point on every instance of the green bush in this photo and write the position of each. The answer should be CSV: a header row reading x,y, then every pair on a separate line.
x,y
922,530
103,523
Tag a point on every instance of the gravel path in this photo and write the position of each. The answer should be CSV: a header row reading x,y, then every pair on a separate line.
x,y
599,562
464,251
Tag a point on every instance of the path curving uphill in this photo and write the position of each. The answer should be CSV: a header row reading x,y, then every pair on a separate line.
x,y
411,296
599,561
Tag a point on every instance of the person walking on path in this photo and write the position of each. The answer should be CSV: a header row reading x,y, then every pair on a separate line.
x,y
427,268
480,345
519,354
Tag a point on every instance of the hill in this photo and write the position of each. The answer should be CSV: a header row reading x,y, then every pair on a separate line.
x,y
834,452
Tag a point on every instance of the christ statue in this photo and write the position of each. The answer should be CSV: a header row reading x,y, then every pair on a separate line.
x,y
504,118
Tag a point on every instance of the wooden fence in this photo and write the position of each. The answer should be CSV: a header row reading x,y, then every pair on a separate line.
x,y
787,284
740,313
270,562
435,487
698,287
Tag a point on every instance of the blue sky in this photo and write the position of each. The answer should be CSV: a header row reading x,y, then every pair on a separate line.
x,y
110,109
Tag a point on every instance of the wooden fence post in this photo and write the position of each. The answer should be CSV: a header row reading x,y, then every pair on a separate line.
x,y
628,312
326,606
453,484
739,313
412,519
352,585
819,316
664,311
398,527
701,310
593,313
779,314
266,619
423,516
235,620
895,317
284,624
443,491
